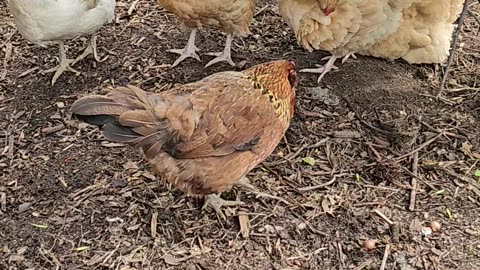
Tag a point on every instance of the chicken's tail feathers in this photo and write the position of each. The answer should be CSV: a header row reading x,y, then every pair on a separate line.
x,y
127,115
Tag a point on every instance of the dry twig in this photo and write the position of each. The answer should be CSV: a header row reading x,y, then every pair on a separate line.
x,y
413,193
454,48
385,257
383,216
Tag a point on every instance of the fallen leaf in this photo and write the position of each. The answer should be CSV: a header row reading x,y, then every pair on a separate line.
x,y
81,248
327,206
309,160
169,259
39,226
466,148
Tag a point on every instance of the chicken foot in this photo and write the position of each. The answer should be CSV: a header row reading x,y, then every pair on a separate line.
x,y
223,56
245,184
91,49
63,65
329,66
189,51
216,202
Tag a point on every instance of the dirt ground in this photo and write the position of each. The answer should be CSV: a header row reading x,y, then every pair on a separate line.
x,y
371,154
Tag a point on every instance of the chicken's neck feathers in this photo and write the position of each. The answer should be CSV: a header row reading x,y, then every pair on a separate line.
x,y
280,105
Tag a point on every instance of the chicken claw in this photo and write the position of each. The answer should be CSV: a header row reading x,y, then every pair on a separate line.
x,y
330,65
216,202
64,65
91,49
189,51
323,70
223,56
346,57
245,184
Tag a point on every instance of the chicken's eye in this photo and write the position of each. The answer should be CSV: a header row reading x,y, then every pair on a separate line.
x,y
292,78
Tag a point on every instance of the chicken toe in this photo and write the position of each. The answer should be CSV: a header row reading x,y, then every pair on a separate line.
x,y
216,202
190,51
346,57
91,49
63,66
245,184
323,70
223,56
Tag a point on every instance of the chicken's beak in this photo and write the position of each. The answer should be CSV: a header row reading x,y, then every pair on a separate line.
x,y
327,11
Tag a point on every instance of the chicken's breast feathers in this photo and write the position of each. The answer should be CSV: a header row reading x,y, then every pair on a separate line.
x,y
353,26
230,16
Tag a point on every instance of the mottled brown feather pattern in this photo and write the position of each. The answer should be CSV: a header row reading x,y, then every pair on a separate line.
x,y
230,16
203,136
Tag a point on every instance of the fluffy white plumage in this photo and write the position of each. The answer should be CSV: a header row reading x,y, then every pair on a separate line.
x,y
53,21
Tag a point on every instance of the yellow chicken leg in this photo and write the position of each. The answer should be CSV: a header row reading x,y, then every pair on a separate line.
x,y
189,51
216,202
223,56
323,70
330,65
64,65
346,57
91,49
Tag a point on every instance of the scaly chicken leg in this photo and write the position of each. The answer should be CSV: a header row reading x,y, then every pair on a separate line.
x,y
216,202
189,51
330,65
91,49
223,56
64,64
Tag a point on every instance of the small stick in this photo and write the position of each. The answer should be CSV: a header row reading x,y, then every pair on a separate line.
x,y
413,194
334,178
153,224
383,216
132,7
385,257
423,145
454,47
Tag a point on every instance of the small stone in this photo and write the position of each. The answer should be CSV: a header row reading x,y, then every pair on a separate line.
x,y
425,231
435,226
369,244
23,207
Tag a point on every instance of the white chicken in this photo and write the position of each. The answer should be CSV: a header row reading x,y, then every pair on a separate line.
x,y
45,22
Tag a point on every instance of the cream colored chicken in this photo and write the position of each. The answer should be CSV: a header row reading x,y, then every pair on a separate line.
x,y
230,16
47,22
424,34
416,30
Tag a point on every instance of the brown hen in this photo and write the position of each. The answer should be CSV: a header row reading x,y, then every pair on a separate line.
x,y
202,137
232,17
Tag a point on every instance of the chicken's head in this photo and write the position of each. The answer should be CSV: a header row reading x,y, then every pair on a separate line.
x,y
328,6
277,77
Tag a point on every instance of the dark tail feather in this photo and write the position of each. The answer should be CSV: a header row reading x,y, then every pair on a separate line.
x,y
98,105
116,133
125,115
97,120
104,112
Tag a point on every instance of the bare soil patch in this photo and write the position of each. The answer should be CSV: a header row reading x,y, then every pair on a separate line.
x,y
70,200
